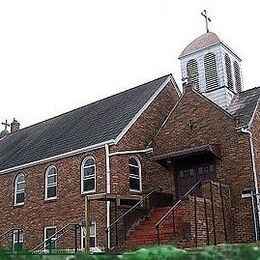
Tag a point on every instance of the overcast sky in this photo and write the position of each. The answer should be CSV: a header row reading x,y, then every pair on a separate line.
x,y
56,55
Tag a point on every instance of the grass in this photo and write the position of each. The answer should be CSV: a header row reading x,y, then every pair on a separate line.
x,y
236,252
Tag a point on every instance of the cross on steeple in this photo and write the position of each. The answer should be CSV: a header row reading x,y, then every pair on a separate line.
x,y
5,124
205,15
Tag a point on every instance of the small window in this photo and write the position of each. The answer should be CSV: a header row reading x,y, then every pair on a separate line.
x,y
19,190
51,183
88,175
211,74
92,236
17,239
135,174
49,239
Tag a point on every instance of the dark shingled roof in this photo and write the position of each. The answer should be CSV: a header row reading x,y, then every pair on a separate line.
x,y
88,125
243,105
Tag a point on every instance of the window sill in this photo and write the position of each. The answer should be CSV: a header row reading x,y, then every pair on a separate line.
x,y
18,205
135,191
88,192
49,200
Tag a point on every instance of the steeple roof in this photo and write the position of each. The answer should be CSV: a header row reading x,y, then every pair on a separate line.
x,y
204,41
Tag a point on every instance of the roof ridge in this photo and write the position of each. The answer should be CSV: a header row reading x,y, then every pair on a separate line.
x,y
91,103
247,90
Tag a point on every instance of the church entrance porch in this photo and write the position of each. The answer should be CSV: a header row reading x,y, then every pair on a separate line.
x,y
190,166
188,175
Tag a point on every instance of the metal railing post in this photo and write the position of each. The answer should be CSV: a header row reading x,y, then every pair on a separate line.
x,y
206,220
173,222
171,210
195,220
106,240
76,238
158,236
122,217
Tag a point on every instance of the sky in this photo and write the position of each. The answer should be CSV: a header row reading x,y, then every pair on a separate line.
x,y
57,55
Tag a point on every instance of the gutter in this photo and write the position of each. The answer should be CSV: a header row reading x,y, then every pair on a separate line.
x,y
257,217
57,157
108,190
149,150
108,182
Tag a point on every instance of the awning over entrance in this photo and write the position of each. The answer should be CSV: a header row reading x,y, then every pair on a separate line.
x,y
211,149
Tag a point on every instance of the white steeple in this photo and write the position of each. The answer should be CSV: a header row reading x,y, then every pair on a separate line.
x,y
216,67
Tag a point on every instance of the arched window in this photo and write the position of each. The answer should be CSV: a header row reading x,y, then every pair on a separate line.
x,y
51,183
88,175
211,74
237,77
229,72
135,174
19,190
192,72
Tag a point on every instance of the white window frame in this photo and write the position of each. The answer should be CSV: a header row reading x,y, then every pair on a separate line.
x,y
83,235
20,238
91,177
134,176
45,236
53,185
20,191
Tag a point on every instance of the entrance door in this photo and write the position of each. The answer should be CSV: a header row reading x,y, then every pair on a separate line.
x,y
190,175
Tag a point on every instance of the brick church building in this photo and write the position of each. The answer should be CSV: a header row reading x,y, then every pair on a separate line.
x,y
149,165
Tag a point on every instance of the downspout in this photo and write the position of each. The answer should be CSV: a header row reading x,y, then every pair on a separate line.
x,y
108,190
108,183
246,131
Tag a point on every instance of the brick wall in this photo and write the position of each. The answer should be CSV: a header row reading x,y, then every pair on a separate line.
x,y
138,137
212,125
69,206
37,213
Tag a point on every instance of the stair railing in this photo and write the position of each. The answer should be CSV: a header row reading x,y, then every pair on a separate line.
x,y
122,217
2,236
10,232
57,235
172,209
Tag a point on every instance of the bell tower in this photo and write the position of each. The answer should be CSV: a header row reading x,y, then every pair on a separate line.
x,y
215,68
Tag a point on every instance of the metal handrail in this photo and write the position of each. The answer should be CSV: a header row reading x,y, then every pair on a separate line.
x,y
7,232
127,212
39,246
132,208
168,213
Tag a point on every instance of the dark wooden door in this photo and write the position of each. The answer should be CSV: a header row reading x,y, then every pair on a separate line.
x,y
187,176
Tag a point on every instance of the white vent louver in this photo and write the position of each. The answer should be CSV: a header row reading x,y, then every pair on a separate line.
x,y
211,74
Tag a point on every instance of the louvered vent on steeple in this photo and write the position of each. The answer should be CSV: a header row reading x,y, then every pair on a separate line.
x,y
219,77
192,72
237,77
211,74
229,72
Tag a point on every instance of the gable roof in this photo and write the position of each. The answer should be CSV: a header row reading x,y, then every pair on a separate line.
x,y
243,106
94,123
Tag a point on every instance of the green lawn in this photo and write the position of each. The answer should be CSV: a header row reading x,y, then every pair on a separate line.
x,y
158,253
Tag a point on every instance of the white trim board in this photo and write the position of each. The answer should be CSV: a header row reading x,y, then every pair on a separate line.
x,y
169,78
57,157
